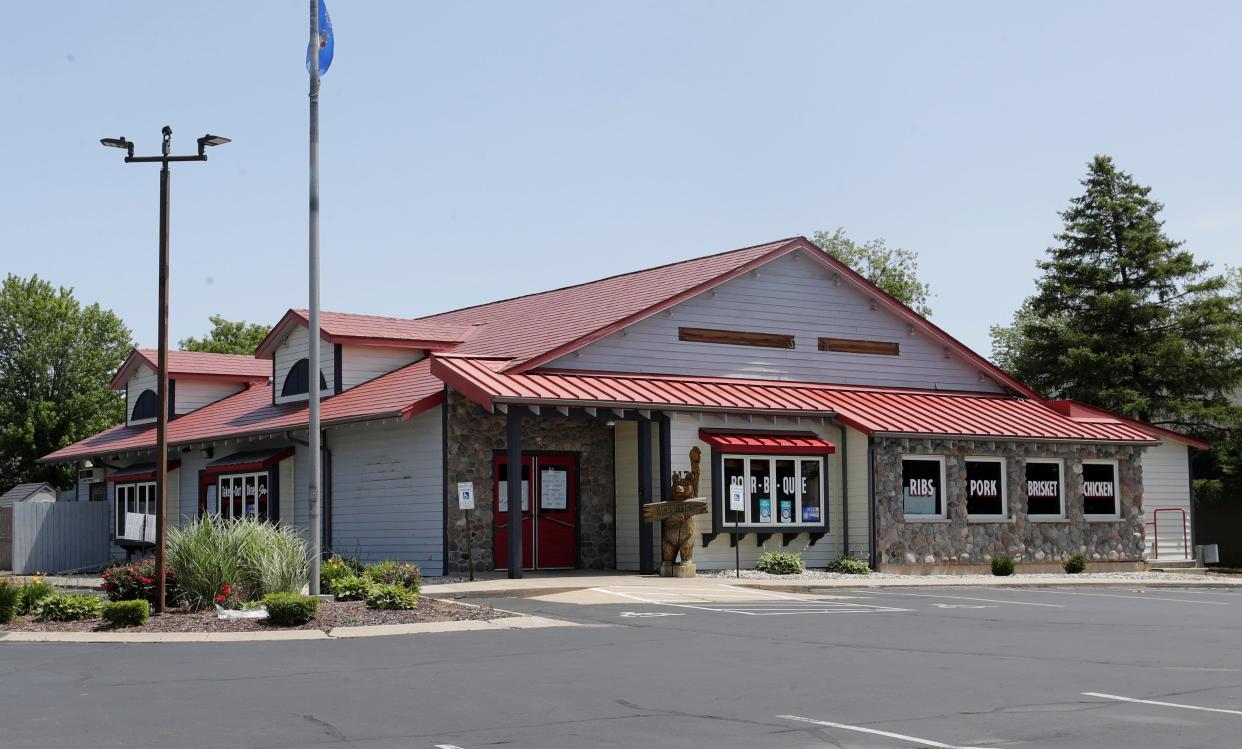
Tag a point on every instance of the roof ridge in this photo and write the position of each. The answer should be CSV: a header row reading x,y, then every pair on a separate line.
x,y
773,244
302,310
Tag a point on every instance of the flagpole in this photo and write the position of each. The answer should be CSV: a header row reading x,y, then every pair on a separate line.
x,y
312,390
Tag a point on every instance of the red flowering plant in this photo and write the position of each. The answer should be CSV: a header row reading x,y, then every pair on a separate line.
x,y
227,598
135,581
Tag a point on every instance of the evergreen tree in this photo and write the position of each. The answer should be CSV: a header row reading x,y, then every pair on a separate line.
x,y
1127,320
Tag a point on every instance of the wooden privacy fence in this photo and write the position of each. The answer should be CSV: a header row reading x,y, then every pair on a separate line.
x,y
57,537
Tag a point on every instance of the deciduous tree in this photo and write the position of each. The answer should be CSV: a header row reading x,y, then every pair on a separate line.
x,y
893,269
228,337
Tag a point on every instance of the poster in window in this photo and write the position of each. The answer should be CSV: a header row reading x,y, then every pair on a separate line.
x,y
1043,488
765,510
985,487
810,514
1099,489
554,489
920,487
212,502
786,511
735,479
503,499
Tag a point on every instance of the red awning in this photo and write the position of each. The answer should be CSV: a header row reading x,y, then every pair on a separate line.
x,y
784,443
253,460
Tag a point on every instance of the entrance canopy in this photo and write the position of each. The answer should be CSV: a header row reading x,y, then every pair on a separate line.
x,y
880,411
781,443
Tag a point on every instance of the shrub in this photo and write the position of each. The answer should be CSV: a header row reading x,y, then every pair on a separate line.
x,y
33,593
129,581
10,596
352,588
290,609
1002,566
335,568
1075,564
395,573
70,607
849,566
242,560
132,613
392,597
781,563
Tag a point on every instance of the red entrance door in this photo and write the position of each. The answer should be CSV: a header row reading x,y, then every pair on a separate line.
x,y
550,533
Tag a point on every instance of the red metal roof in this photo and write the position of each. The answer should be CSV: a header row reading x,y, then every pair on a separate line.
x,y
887,411
196,365
404,393
1092,415
784,443
369,330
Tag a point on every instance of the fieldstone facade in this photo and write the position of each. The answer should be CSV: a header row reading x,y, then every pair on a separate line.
x,y
473,438
955,540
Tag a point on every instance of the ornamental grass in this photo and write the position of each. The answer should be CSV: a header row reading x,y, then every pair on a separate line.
x,y
228,561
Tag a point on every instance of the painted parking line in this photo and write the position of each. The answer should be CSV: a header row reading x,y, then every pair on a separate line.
x,y
969,598
877,732
1139,597
768,605
1158,703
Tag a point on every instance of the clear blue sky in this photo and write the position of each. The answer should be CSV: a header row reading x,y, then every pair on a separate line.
x,y
473,151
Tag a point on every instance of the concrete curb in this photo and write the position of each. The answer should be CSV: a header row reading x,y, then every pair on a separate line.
x,y
460,591
516,621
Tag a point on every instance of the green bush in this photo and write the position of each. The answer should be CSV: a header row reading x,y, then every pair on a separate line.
x,y
126,613
33,593
290,609
395,573
129,581
352,588
781,563
849,566
248,558
335,568
69,607
1002,566
392,597
10,596
1075,564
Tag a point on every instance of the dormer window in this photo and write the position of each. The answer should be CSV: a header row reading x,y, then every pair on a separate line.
x,y
297,382
145,407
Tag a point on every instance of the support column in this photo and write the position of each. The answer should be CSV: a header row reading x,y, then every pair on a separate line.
x,y
666,457
646,555
513,457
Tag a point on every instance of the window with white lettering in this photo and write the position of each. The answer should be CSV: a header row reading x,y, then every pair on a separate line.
x,y
778,491
985,488
922,487
1099,489
1044,492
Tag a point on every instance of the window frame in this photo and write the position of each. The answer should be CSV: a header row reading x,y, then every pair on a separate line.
x,y
218,481
1004,488
720,494
943,515
292,371
1082,495
1044,518
121,506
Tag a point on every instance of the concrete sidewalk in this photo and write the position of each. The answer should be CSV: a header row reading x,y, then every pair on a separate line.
x,y
542,584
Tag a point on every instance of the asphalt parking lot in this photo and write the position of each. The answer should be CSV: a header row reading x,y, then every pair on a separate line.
x,y
704,666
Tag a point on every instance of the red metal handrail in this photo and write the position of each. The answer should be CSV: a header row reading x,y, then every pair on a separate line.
x,y
1155,531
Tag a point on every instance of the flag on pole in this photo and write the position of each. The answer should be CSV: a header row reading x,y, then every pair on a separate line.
x,y
325,42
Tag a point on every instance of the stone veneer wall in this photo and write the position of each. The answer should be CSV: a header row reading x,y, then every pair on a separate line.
x,y
473,438
957,541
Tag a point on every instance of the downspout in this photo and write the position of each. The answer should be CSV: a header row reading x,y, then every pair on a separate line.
x,y
873,552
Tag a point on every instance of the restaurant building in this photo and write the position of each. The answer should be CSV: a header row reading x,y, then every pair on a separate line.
x,y
853,425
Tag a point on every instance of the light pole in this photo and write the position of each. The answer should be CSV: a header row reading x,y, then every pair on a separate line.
x,y
161,417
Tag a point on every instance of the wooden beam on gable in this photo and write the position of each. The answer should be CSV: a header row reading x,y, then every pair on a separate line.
x,y
859,346
735,337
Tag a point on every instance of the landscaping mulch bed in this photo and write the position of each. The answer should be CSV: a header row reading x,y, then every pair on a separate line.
x,y
338,614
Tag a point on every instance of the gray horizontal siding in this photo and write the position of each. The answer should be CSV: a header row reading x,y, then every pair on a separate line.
x,y
294,348
792,296
360,364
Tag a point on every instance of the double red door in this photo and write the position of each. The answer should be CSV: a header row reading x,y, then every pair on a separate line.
x,y
550,531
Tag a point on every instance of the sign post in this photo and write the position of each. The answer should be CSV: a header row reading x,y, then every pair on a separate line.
x,y
737,505
465,502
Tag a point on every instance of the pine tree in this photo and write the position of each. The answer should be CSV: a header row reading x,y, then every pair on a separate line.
x,y
1126,319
